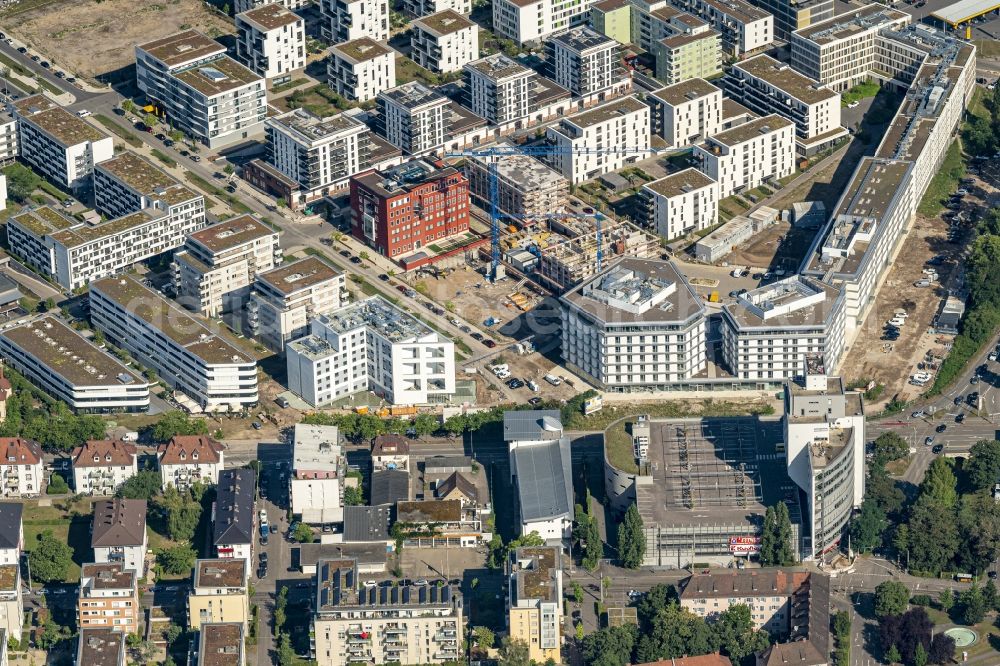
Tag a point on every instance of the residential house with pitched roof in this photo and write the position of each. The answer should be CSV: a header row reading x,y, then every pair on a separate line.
x,y
233,514
119,533
21,467
101,465
186,459
11,532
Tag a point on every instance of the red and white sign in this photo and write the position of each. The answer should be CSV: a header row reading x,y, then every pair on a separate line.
x,y
744,545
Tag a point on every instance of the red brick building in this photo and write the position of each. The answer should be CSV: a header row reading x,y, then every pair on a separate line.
x,y
403,209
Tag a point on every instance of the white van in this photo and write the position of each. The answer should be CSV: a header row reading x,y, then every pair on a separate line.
x,y
552,379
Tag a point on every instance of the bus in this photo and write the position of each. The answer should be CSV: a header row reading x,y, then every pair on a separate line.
x,y
963,577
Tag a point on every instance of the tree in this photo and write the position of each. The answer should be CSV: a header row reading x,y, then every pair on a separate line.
x,y
888,447
181,513
577,592
513,652
177,423
892,655
973,605
933,534
983,465
363,255
868,527
776,537
176,560
891,598
942,649
657,599
280,606
979,138
882,489
21,182
676,632
611,646
144,485
176,135
229,170
50,304
737,636
946,600
128,106
990,595
303,533
920,656
483,637
285,653
631,539
150,120
940,484
51,558
353,496
57,486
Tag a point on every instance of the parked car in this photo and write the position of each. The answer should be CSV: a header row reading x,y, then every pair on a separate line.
x,y
941,428
937,448
929,441
489,344
959,417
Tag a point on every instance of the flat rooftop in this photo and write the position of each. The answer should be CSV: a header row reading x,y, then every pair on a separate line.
x,y
797,301
9,575
315,448
848,24
142,176
82,234
525,172
731,109
582,38
964,10
221,644
295,276
400,178
270,17
713,472
443,23
69,355
110,576
413,95
603,114
390,321
751,130
183,47
682,39
498,66
786,79
685,91
682,182
738,9
536,575
361,50
99,646
221,572
231,233
310,128
57,122
218,76
44,220
637,291
338,587
429,511
196,334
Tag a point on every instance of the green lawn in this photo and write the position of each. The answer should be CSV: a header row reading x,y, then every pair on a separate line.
x,y
163,157
860,92
234,203
118,130
987,48
294,83
944,183
72,527
618,444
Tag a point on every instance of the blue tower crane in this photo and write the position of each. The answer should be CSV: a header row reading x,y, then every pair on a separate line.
x,y
501,151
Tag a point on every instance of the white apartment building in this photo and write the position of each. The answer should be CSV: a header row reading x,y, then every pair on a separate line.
x,y
313,157
57,144
219,592
824,428
284,300
770,332
271,41
128,183
317,476
747,155
360,69
346,20
11,533
21,467
48,353
681,203
100,466
498,88
11,601
745,29
187,459
214,270
108,598
200,89
234,517
583,61
411,117
621,127
686,113
240,6
541,470
525,186
427,7
119,533
9,148
767,86
636,326
383,623
211,371
373,346
534,20
444,42
840,51
534,606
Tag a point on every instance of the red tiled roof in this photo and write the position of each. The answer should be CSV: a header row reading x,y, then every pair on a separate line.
x,y
390,445
108,453
181,450
17,451
715,659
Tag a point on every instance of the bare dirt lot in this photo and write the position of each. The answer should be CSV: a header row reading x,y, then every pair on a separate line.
x,y
892,363
778,246
90,38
